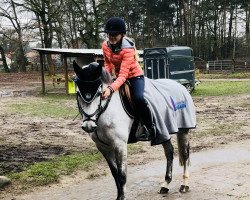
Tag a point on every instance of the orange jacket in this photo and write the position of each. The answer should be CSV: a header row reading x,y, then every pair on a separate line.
x,y
123,62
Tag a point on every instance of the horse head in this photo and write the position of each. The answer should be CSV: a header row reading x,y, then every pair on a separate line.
x,y
89,89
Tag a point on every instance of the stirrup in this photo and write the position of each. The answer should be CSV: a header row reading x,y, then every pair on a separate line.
x,y
143,134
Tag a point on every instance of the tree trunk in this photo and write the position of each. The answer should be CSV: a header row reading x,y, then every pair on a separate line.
x,y
215,36
96,30
21,59
5,66
185,23
230,27
48,32
248,29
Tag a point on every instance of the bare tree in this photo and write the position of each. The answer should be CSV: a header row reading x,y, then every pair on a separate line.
x,y
10,13
88,21
246,7
46,13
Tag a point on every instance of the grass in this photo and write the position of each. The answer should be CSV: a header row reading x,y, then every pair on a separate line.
x,y
58,96
219,88
44,173
135,149
47,172
221,129
238,75
1,141
64,106
53,105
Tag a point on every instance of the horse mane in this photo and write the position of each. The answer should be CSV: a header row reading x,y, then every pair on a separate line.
x,y
106,77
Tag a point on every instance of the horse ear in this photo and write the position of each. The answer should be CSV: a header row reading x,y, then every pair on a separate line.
x,y
94,70
99,68
100,64
77,68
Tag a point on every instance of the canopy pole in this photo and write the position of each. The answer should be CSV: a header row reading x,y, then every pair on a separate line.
x,y
66,73
42,72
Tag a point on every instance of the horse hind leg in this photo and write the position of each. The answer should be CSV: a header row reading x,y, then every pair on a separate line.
x,y
169,153
183,148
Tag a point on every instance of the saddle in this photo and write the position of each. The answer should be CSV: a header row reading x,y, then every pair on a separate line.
x,y
126,99
128,106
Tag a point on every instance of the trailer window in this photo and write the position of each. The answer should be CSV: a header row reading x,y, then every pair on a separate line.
x,y
180,52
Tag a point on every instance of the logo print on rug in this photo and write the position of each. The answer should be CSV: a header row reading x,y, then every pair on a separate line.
x,y
178,105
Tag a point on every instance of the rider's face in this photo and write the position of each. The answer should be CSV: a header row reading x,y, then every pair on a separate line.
x,y
114,38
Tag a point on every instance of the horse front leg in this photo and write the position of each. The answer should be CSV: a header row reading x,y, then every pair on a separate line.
x,y
117,161
121,161
183,147
169,153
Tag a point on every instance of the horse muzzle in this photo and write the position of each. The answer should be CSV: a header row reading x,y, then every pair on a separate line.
x,y
89,126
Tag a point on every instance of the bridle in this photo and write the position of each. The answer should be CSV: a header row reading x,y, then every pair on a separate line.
x,y
100,108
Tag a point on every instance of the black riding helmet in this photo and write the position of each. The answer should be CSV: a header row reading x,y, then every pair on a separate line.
x,y
115,25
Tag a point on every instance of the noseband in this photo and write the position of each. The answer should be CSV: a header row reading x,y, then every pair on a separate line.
x,y
100,108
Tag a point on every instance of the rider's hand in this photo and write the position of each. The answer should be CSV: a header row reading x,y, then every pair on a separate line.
x,y
106,93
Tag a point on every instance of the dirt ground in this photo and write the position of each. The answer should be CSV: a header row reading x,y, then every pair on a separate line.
x,y
23,140
219,173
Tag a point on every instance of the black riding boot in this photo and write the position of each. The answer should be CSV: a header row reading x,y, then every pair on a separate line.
x,y
146,133
147,130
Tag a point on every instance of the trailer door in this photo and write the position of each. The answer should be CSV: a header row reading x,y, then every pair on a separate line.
x,y
155,63
156,68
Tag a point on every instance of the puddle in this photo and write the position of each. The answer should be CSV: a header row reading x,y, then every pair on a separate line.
x,y
15,93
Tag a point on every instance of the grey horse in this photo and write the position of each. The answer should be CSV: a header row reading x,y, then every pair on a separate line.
x,y
109,126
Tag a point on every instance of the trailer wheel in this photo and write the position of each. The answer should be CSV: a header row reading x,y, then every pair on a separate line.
x,y
189,87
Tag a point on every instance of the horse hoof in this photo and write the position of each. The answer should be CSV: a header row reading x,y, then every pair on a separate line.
x,y
121,198
184,188
163,190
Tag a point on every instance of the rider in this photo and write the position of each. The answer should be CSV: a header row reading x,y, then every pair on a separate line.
x,y
119,54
